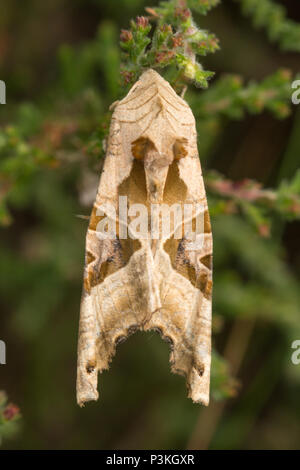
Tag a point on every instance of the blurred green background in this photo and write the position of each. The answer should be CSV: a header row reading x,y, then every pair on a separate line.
x,y
60,60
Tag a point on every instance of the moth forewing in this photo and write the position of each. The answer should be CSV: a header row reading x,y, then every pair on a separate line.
x,y
139,278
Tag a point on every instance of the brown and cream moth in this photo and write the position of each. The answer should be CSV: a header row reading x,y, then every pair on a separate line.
x,y
148,279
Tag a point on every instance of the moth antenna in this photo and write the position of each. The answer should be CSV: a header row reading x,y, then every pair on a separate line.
x,y
81,216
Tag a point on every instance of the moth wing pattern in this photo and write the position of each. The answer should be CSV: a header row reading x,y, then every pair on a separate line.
x,y
140,283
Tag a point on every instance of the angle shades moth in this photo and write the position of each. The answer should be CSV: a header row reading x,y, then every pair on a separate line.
x,y
148,279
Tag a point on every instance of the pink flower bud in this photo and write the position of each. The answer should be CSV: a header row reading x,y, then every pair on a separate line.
x,y
142,21
126,35
10,411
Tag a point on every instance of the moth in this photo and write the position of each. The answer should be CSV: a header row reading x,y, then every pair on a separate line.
x,y
140,275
